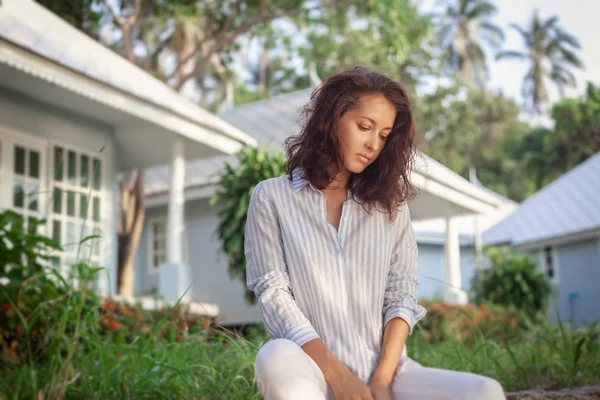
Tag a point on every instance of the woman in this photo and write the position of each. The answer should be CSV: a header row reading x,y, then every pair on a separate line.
x,y
331,255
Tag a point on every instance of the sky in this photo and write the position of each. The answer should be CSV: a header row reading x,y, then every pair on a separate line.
x,y
580,18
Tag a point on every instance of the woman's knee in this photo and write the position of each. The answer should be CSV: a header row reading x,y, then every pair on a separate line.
x,y
275,355
487,388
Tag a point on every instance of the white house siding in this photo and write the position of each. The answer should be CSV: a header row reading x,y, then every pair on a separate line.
x,y
20,115
578,267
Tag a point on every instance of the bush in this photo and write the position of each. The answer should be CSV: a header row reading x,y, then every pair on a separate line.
x,y
512,280
469,323
38,308
124,322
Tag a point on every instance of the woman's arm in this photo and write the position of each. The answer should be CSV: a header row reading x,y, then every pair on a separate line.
x,y
267,275
400,308
394,339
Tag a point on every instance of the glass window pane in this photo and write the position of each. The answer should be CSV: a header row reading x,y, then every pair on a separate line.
x,y
97,173
57,198
71,233
59,162
85,163
96,209
72,168
33,191
56,233
71,203
19,160
83,205
96,247
30,225
34,164
18,193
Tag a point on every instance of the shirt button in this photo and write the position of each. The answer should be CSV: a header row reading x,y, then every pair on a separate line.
x,y
345,219
341,285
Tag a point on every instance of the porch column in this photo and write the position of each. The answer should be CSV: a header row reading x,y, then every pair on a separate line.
x,y
176,205
454,292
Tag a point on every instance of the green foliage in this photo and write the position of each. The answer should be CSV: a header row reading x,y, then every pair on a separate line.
x,y
512,280
464,127
233,198
469,323
577,128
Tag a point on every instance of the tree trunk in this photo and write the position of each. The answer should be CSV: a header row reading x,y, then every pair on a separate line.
x,y
132,213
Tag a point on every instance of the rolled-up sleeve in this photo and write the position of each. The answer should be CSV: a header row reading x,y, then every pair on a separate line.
x,y
402,285
267,275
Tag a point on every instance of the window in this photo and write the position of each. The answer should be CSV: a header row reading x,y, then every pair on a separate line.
x,y
27,195
549,261
157,243
76,205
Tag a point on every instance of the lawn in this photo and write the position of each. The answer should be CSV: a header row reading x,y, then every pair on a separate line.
x,y
217,364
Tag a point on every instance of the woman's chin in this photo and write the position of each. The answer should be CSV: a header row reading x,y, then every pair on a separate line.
x,y
356,168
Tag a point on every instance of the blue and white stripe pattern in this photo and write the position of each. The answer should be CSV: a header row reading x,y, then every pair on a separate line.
x,y
342,286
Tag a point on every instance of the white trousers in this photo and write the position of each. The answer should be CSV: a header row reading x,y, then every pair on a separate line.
x,y
285,372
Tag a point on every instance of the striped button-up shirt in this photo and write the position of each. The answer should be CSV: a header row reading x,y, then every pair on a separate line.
x,y
313,281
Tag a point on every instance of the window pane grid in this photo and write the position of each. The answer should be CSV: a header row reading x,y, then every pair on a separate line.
x,y
77,208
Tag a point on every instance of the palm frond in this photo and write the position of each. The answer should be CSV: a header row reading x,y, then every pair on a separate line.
x,y
481,10
527,36
511,54
496,34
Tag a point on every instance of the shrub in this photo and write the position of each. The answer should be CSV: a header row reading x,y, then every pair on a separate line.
x,y
512,280
125,322
470,322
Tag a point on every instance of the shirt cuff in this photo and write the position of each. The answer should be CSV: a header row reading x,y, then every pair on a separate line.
x,y
302,334
406,314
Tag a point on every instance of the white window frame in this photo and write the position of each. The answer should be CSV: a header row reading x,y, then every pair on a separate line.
x,y
9,139
151,268
87,253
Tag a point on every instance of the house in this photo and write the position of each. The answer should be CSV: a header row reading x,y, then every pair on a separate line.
x,y
73,115
445,200
559,227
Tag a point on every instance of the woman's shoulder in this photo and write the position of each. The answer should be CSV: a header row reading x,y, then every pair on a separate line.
x,y
272,186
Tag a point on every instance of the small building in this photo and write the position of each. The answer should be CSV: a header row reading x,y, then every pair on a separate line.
x,y
559,227
73,115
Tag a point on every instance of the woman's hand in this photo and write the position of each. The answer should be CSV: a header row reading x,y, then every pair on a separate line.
x,y
347,386
381,392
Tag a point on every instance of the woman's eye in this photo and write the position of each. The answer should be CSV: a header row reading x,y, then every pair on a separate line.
x,y
383,137
363,128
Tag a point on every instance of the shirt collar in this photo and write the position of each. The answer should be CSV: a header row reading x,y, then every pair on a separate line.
x,y
298,179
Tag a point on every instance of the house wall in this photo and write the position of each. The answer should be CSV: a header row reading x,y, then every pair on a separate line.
x,y
578,280
212,284
432,282
27,117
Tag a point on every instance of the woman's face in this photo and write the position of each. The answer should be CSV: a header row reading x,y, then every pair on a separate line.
x,y
363,130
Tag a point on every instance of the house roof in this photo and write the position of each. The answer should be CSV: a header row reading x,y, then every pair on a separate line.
x,y
273,120
567,206
29,27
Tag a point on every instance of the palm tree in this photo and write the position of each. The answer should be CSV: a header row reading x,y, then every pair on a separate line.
x,y
465,26
550,52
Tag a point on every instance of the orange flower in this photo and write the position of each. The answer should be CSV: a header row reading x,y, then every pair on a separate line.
x,y
18,331
125,311
180,338
7,306
139,316
108,305
114,325
205,324
105,322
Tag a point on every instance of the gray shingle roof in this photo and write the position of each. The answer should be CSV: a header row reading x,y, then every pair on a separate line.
x,y
569,205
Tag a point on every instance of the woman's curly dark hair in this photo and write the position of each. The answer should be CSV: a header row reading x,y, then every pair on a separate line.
x,y
384,183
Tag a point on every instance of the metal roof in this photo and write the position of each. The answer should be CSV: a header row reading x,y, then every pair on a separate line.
x,y
569,205
30,26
